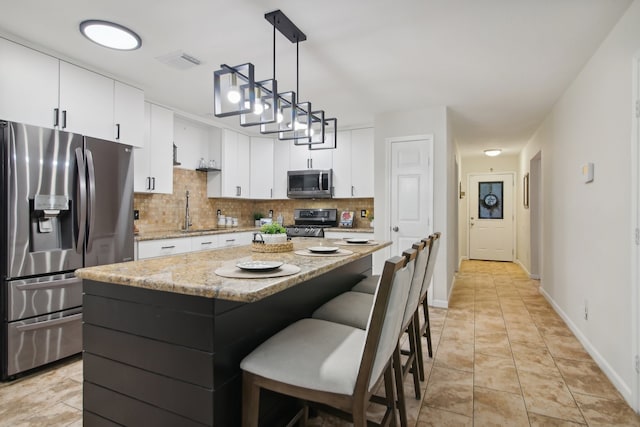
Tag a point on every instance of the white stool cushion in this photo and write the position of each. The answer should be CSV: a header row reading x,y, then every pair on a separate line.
x,y
349,308
311,353
368,285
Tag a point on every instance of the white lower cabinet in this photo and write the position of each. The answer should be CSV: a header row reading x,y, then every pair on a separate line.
x,y
180,245
201,243
163,247
235,239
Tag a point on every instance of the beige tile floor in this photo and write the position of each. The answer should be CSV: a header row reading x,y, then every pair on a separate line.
x,y
502,357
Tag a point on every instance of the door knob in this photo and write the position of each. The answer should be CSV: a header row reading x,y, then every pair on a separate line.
x,y
395,228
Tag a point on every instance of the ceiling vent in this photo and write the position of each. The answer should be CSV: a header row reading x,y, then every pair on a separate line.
x,y
179,60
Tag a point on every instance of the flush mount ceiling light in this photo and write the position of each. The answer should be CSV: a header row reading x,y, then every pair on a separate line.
x,y
493,152
109,34
236,92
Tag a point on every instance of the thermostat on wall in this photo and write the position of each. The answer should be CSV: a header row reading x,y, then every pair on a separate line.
x,y
587,172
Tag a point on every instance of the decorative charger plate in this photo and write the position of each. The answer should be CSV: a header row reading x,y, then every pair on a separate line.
x,y
323,249
259,265
357,240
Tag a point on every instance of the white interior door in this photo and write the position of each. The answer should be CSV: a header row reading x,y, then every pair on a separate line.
x,y
491,217
411,215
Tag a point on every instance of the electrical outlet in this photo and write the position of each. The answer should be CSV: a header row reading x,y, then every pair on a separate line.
x,y
136,214
363,213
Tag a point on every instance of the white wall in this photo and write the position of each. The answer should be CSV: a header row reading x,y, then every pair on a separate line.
x,y
586,229
430,121
480,164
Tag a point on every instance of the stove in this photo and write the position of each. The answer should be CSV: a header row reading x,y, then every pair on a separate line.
x,y
312,222
305,230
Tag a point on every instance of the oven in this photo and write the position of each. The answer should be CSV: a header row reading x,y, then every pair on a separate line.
x,y
312,222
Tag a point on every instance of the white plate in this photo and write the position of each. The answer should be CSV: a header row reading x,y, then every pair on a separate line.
x,y
259,265
323,249
357,240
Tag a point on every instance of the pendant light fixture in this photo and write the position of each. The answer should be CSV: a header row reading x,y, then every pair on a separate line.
x,y
259,103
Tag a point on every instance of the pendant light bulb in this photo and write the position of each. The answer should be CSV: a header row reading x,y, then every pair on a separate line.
x,y
279,116
258,108
233,94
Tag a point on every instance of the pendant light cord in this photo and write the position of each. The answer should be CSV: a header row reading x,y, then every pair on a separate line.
x,y
274,51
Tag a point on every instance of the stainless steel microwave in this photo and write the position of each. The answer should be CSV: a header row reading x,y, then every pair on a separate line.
x,y
310,184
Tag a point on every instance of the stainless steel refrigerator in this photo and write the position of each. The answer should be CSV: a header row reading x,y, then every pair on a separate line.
x,y
67,202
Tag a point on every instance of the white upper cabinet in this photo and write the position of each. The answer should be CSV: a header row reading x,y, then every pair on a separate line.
x,y
300,157
234,179
128,114
86,102
353,164
280,168
28,85
262,168
342,166
362,162
41,90
153,164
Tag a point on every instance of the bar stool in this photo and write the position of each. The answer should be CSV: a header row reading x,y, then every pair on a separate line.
x,y
425,329
332,364
353,308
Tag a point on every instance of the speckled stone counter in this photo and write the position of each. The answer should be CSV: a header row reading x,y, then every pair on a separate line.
x,y
163,338
194,273
172,234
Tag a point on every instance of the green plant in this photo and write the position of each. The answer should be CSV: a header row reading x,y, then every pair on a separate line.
x,y
370,215
273,228
257,215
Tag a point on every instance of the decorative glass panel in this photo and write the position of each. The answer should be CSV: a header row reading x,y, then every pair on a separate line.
x,y
490,202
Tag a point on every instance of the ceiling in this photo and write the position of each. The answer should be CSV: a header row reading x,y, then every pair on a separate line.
x,y
498,65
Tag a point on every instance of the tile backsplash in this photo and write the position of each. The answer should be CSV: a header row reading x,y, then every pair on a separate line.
x,y
160,212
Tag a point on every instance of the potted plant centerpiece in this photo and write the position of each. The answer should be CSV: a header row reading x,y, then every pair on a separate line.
x,y
271,238
273,233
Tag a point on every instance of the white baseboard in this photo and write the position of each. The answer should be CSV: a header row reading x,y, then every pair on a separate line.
x,y
462,258
534,276
439,303
517,261
618,382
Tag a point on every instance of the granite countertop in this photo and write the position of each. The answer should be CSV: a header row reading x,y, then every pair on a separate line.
x,y
194,273
172,234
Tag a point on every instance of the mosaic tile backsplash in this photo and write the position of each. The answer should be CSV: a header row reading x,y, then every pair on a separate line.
x,y
160,212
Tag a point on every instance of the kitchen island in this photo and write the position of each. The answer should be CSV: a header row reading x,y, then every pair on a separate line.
x,y
163,337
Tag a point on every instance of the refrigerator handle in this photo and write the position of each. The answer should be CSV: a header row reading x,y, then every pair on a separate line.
x,y
81,204
91,191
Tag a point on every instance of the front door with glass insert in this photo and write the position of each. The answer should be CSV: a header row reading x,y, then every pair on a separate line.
x,y
491,217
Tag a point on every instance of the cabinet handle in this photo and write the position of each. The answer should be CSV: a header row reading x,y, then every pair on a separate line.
x,y
352,191
148,183
117,130
168,247
271,193
206,243
238,190
154,183
56,117
230,240
64,119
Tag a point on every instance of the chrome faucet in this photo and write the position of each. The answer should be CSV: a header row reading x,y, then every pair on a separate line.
x,y
187,218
